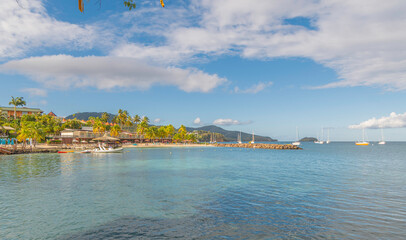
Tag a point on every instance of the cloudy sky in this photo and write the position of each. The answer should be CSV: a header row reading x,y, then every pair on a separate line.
x,y
250,65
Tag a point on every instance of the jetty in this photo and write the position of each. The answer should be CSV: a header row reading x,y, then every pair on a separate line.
x,y
259,146
11,151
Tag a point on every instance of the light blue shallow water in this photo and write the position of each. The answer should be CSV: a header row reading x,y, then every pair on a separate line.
x,y
330,191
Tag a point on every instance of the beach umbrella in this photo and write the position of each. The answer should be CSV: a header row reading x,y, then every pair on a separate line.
x,y
91,141
84,141
75,141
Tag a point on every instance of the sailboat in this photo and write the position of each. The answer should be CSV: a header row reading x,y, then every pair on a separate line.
x,y
253,138
382,142
322,135
297,143
328,136
239,138
363,142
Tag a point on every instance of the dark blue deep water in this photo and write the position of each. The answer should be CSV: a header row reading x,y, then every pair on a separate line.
x,y
335,191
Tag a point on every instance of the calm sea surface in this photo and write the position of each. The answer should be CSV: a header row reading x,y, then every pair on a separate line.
x,y
335,191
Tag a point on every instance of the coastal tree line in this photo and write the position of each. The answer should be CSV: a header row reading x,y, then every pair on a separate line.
x,y
40,126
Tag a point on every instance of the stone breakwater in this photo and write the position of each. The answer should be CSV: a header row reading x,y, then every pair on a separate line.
x,y
259,145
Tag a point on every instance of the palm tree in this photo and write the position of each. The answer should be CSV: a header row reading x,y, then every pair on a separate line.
x,y
137,119
18,101
142,127
98,127
170,130
145,119
115,131
105,117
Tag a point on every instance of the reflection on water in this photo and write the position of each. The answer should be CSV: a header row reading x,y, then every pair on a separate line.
x,y
333,191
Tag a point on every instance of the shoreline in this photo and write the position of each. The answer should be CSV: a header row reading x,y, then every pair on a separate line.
x,y
166,145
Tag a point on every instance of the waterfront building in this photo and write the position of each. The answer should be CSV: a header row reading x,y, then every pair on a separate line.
x,y
9,111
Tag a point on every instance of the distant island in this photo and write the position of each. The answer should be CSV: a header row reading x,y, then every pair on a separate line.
x,y
308,139
228,136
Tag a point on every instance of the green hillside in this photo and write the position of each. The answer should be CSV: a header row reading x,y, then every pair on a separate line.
x,y
231,136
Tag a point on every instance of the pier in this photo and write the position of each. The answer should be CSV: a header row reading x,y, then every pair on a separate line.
x,y
259,146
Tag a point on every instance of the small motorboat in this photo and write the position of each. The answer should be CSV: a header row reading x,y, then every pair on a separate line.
x,y
108,150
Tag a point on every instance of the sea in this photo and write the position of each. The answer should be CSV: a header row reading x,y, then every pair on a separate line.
x,y
330,191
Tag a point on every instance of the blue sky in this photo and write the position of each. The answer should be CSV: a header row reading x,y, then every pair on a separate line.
x,y
255,65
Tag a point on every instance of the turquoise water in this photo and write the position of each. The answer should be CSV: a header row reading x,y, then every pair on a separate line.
x,y
330,191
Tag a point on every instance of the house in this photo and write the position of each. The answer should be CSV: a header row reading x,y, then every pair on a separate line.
x,y
9,111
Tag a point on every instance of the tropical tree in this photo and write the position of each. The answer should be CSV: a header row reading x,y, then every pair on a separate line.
x,y
182,132
137,119
142,127
105,117
191,137
99,127
162,132
145,119
151,132
72,124
115,131
18,101
170,130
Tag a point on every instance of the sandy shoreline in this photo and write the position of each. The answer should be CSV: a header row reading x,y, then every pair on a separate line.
x,y
165,145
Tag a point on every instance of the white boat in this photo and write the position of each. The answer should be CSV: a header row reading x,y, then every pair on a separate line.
x,y
320,141
102,149
328,136
382,142
297,142
239,138
363,142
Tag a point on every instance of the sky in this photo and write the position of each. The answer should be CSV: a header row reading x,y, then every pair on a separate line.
x,y
256,66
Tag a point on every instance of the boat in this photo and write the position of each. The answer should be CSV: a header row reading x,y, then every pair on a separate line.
x,y
363,142
239,138
328,136
253,138
382,142
320,141
297,142
108,150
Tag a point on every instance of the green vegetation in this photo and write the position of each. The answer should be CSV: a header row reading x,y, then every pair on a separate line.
x,y
308,139
18,101
38,126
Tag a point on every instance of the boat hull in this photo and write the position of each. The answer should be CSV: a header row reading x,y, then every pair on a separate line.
x,y
362,143
116,150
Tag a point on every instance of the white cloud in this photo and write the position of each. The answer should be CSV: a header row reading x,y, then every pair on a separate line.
x,y
228,122
40,92
197,121
157,120
105,73
361,40
392,121
28,26
254,89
